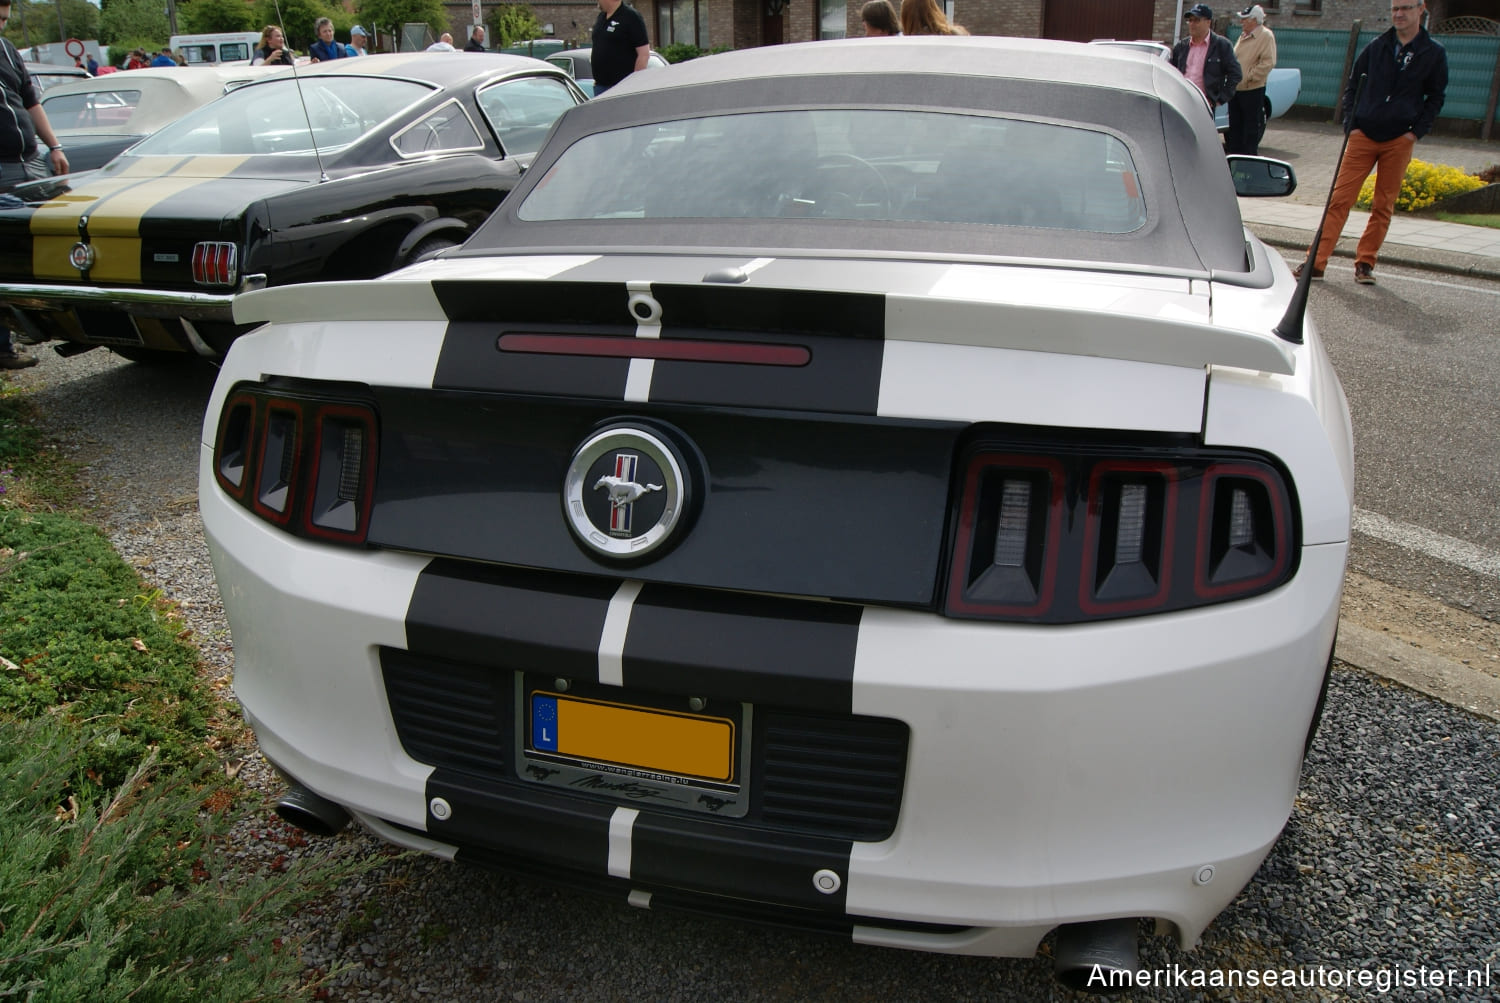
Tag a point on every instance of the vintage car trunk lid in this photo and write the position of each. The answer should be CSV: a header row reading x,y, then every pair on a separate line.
x,y
130,217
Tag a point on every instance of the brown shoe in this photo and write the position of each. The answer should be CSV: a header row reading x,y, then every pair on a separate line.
x,y
1364,274
1297,272
17,358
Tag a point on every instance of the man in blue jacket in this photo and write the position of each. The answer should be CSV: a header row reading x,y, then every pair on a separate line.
x,y
1406,79
1206,58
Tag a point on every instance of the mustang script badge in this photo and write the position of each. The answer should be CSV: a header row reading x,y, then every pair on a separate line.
x,y
624,491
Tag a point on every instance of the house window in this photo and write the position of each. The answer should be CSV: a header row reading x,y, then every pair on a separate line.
x,y
833,18
681,22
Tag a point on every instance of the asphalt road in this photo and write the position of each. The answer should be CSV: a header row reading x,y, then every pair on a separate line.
x,y
1419,358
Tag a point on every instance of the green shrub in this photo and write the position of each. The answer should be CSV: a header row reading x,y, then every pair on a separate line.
x,y
1423,185
85,913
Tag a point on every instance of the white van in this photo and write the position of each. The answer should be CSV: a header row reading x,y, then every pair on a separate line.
x,y
221,49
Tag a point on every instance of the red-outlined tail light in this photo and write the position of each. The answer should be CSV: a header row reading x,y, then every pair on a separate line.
x,y
1071,532
1009,524
215,263
301,462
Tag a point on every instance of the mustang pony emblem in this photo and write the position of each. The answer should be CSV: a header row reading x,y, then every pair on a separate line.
x,y
622,492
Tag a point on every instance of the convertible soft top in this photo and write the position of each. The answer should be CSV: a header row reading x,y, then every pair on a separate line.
x,y
1192,219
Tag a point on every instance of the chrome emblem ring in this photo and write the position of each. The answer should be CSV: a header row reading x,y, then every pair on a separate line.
x,y
624,491
81,256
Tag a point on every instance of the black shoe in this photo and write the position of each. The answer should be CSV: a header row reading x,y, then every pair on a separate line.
x,y
1297,272
1364,274
17,358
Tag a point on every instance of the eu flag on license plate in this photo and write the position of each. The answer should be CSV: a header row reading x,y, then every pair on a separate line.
x,y
544,723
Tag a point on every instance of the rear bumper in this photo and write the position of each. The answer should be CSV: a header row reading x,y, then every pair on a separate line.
x,y
1139,767
163,319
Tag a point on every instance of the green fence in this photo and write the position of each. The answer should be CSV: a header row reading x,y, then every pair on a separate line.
x,y
1320,54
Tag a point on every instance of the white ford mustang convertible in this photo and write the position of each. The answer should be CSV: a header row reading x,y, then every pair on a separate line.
x,y
874,486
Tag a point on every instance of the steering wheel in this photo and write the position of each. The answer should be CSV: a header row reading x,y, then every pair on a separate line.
x,y
857,187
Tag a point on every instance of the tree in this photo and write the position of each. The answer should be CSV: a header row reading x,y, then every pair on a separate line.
x,y
203,17
514,23
39,21
392,14
134,19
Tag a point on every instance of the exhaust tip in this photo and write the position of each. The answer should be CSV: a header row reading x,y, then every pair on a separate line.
x,y
1101,957
311,813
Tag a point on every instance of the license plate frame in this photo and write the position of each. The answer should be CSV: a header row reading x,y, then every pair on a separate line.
x,y
601,759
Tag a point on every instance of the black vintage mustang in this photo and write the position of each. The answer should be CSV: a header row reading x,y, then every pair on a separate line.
x,y
346,171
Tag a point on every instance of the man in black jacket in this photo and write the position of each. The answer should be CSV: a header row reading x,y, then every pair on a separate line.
x,y
22,124
1207,58
1405,80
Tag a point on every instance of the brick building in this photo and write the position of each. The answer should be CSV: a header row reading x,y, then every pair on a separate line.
x,y
742,24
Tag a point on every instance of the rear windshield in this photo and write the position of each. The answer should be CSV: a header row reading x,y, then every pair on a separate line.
x,y
274,116
94,110
923,166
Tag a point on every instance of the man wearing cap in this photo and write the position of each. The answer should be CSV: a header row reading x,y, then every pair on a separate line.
x,y
358,40
1207,58
1405,82
1256,52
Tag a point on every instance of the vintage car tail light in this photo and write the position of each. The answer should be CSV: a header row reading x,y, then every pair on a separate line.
x,y
302,463
215,263
1063,535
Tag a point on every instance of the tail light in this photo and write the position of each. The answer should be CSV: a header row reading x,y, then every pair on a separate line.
x,y
1071,535
304,464
215,263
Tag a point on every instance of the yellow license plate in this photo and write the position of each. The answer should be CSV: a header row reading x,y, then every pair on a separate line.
x,y
643,738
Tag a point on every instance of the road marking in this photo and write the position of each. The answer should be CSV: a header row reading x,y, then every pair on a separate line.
x,y
1479,560
1294,260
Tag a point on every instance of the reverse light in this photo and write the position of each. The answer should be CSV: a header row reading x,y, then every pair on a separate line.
x,y
302,463
215,263
1073,533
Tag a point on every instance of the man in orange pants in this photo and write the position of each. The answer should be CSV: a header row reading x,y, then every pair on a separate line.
x,y
1406,79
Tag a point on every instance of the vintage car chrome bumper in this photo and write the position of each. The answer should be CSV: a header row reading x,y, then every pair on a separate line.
x,y
143,302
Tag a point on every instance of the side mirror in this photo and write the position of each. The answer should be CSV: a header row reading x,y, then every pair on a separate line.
x,y
1261,177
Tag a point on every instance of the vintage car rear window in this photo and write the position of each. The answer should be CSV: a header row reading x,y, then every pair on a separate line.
x,y
922,166
94,110
273,117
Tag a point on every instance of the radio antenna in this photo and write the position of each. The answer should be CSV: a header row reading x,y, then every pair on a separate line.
x,y
1290,328
306,117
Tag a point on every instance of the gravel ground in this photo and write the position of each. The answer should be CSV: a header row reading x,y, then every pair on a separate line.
x,y
1389,862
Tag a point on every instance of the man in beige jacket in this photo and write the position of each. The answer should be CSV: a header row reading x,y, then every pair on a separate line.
x,y
1256,51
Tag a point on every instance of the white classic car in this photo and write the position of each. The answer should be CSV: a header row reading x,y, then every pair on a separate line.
x,y
877,486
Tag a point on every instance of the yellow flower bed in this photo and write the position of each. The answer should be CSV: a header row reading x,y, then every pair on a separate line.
x,y
1423,185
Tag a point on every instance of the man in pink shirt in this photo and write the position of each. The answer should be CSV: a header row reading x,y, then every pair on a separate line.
x,y
1206,58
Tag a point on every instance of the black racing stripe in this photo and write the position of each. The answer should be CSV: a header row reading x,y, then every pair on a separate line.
x,y
471,360
842,375
737,862
522,302
479,312
760,649
843,331
501,617
545,828
792,311
15,245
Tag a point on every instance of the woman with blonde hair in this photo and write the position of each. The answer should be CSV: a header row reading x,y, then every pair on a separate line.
x,y
273,50
925,17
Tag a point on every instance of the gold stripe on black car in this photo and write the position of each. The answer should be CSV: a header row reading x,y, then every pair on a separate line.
x,y
115,207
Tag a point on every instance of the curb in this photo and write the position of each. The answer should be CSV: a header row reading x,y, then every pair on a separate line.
x,y
1452,682
1425,258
